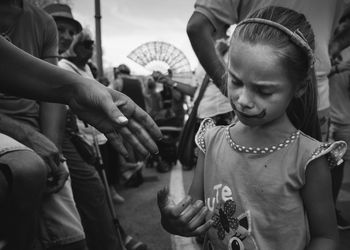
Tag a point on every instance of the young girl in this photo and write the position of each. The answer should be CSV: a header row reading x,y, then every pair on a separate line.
x,y
262,182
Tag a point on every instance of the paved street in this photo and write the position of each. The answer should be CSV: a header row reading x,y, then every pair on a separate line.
x,y
140,217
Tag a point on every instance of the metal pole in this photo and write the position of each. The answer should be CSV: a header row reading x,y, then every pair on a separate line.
x,y
98,38
100,167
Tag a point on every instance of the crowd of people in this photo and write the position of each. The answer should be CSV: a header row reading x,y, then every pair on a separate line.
x,y
276,91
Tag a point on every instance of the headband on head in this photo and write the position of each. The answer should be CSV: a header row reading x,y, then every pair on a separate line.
x,y
296,37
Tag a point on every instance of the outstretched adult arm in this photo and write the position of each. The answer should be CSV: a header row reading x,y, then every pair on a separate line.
x,y
109,111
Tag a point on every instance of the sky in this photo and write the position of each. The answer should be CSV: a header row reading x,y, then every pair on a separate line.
x,y
126,24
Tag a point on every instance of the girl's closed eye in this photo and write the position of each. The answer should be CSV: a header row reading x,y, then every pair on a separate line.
x,y
236,83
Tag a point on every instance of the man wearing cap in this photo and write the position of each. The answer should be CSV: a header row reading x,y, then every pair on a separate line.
x,y
38,125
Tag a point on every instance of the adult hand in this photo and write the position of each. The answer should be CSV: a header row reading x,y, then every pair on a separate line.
x,y
115,115
57,175
185,218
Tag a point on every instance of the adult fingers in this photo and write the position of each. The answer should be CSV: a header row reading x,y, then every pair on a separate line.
x,y
59,181
57,177
146,122
111,108
117,142
142,136
133,140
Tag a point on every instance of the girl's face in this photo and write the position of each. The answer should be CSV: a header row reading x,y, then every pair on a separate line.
x,y
258,87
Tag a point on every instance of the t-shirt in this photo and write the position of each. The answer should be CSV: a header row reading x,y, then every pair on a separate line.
x,y
323,16
35,33
255,200
213,101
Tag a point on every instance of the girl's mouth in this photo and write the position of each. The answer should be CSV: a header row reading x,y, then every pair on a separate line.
x,y
249,116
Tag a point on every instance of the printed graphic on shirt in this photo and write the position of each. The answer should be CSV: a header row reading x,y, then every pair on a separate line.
x,y
235,229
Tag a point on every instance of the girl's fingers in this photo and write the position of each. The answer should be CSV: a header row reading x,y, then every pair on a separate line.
x,y
192,211
203,228
181,206
199,218
168,207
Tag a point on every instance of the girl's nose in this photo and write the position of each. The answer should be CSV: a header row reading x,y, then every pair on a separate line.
x,y
245,99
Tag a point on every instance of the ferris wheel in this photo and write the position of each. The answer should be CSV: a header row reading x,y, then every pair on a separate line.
x,y
161,56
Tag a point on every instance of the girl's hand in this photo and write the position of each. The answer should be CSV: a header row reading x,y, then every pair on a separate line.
x,y
186,218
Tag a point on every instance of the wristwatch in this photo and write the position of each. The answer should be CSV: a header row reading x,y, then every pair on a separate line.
x,y
174,86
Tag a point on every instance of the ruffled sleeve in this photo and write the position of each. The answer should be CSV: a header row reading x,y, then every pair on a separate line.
x,y
206,124
333,151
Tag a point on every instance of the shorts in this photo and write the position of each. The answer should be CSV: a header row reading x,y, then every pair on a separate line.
x,y
7,144
341,132
60,222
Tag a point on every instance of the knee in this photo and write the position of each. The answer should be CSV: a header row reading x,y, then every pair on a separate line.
x,y
28,170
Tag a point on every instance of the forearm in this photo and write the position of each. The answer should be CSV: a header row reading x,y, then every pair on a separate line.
x,y
201,34
182,87
52,122
42,81
322,244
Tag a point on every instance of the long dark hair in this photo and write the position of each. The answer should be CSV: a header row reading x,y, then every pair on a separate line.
x,y
302,111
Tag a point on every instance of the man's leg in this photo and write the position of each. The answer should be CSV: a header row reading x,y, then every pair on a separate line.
x,y
60,224
91,201
22,179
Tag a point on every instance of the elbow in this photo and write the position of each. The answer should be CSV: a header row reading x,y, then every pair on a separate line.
x,y
192,29
197,26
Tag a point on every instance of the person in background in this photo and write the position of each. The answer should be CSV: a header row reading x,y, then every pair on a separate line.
x,y
213,104
130,168
153,99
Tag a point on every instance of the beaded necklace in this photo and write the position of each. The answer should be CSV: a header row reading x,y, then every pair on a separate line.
x,y
260,150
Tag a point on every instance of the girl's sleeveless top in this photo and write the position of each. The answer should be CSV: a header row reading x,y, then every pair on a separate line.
x,y
255,199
